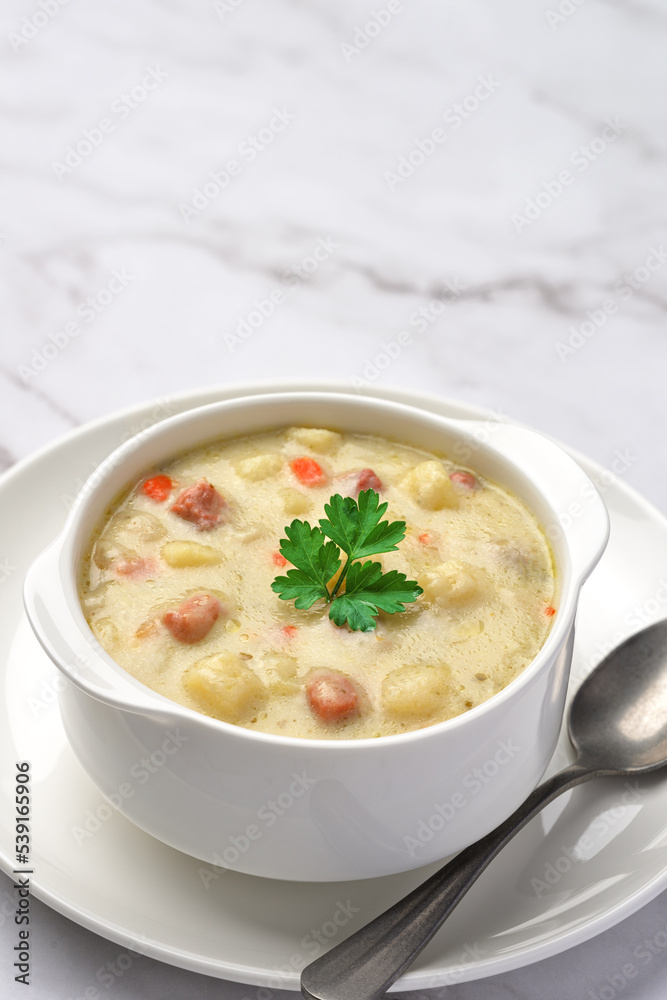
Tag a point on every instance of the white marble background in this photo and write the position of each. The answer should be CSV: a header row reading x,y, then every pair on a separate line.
x,y
529,236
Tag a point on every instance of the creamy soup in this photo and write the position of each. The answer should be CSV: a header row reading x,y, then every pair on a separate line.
x,y
177,582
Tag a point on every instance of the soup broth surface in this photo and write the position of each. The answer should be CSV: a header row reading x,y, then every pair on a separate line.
x,y
176,586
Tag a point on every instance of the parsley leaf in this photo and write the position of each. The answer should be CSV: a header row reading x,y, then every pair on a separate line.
x,y
367,592
356,528
316,561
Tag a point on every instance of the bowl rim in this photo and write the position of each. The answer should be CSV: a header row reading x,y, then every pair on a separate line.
x,y
64,545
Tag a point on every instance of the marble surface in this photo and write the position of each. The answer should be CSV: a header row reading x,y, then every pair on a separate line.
x,y
467,198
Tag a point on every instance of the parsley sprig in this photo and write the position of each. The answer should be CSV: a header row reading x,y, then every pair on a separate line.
x,y
355,528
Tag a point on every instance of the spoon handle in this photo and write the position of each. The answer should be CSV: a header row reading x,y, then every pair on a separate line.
x,y
365,965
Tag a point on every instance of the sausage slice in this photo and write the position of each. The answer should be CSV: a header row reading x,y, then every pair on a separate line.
x,y
201,504
332,696
194,619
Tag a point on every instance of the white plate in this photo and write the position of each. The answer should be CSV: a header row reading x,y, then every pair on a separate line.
x,y
592,858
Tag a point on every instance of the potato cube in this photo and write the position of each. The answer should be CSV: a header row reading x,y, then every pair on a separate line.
x,y
98,598
416,690
316,438
253,534
281,673
259,467
284,666
108,550
106,632
295,502
431,487
467,630
181,554
139,527
453,584
224,685
282,688
125,536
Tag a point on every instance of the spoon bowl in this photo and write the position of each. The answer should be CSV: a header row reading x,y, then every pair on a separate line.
x,y
618,718
618,726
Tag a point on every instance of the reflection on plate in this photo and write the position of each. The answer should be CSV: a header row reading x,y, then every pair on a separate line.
x,y
590,859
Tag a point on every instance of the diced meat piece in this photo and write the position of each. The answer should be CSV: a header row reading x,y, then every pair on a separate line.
x,y
367,480
137,567
332,696
194,619
352,483
158,488
201,504
464,479
308,471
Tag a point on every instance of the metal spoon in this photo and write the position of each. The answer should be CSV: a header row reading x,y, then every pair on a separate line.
x,y
617,725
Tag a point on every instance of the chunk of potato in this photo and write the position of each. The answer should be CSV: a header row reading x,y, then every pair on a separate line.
x,y
295,502
181,554
139,527
224,685
416,690
454,584
109,550
257,531
431,487
315,438
106,632
259,467
284,666
281,673
98,598
125,536
467,630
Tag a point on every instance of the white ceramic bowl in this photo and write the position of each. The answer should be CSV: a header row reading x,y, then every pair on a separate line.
x,y
317,810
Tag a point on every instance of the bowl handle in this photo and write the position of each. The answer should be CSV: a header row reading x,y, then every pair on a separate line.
x,y
581,517
79,656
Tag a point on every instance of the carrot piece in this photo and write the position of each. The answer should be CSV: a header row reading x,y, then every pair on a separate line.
x,y
308,471
549,611
290,631
278,559
158,488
